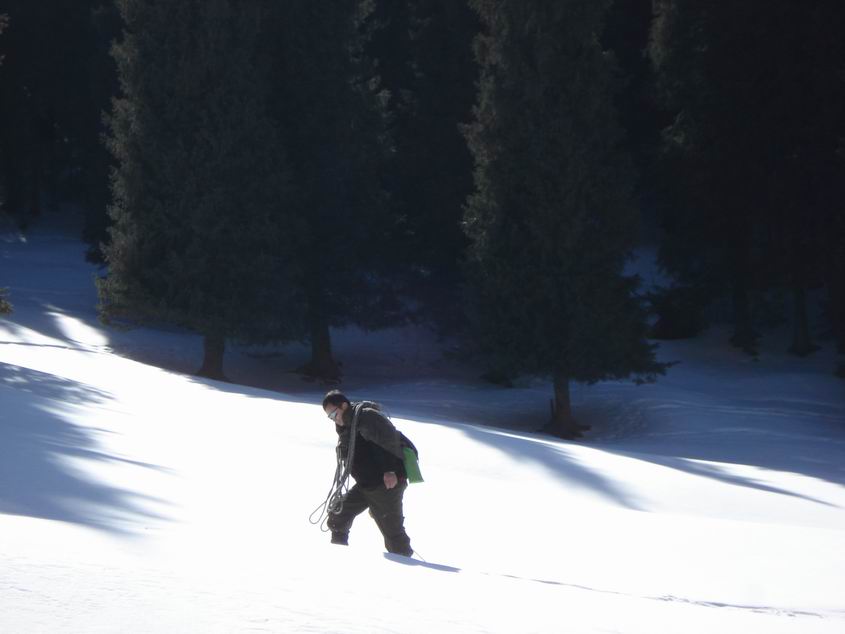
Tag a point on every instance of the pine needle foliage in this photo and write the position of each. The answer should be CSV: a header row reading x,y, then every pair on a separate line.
x,y
326,98
203,234
551,221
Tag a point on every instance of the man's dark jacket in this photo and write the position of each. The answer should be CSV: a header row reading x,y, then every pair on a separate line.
x,y
378,447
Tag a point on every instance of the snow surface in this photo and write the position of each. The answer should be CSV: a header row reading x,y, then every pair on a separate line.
x,y
137,498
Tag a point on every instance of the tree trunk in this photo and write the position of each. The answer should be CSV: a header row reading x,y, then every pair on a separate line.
x,y
744,336
212,363
322,365
49,174
836,307
562,424
802,344
35,183
836,300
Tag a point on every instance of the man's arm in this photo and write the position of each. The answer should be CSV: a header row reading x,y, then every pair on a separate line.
x,y
379,430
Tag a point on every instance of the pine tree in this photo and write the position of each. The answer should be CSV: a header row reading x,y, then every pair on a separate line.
x,y
757,106
4,21
626,34
710,154
834,266
5,306
98,88
28,101
803,115
551,219
331,112
425,60
57,83
203,233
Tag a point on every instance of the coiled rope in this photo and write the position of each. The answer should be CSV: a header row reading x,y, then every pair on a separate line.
x,y
333,503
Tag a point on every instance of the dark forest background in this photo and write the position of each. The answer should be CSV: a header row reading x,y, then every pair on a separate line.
x,y
263,172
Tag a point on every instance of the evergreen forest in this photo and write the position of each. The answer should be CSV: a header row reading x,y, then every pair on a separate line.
x,y
263,172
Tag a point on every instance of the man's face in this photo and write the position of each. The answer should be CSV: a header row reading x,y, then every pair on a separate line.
x,y
335,412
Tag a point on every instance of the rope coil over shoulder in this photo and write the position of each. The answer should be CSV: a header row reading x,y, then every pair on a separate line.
x,y
333,503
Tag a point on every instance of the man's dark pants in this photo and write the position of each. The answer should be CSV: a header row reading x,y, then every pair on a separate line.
x,y
386,508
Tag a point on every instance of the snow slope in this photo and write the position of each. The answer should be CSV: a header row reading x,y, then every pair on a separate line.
x,y
137,498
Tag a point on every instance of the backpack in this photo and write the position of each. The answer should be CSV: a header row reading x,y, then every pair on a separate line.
x,y
411,454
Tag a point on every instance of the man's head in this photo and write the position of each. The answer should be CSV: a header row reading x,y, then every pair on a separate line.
x,y
335,405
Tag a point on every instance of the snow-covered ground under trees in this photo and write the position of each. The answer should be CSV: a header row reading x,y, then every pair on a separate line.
x,y
135,497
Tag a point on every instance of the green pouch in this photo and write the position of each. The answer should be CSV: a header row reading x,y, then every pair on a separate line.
x,y
412,467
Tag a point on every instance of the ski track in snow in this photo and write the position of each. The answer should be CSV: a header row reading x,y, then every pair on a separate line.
x,y
152,583
776,611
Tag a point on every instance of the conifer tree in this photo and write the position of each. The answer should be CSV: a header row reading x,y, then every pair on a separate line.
x,y
835,262
626,35
803,115
425,61
32,82
58,82
551,220
4,21
203,232
5,306
757,114
331,111
100,85
709,155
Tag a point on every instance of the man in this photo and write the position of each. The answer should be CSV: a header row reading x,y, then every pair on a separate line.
x,y
378,469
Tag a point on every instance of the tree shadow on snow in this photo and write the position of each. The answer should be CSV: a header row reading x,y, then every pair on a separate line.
x,y
716,472
770,433
551,453
407,402
791,436
39,446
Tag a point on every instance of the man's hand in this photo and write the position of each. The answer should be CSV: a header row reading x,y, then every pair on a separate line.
x,y
390,479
